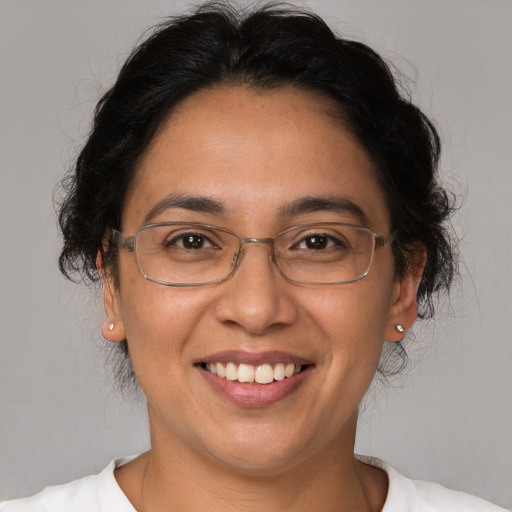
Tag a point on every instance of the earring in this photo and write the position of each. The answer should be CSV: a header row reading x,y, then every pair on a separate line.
x,y
111,326
399,327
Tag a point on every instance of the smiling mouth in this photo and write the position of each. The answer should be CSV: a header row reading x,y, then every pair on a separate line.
x,y
250,374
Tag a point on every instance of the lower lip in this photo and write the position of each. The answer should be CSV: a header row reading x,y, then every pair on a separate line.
x,y
255,395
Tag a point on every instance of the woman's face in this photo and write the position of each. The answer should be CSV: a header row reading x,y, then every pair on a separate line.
x,y
254,155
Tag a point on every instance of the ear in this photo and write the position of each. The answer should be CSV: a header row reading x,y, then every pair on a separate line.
x,y
404,307
113,327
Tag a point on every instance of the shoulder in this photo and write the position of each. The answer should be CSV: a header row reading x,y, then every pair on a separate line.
x,y
94,493
419,496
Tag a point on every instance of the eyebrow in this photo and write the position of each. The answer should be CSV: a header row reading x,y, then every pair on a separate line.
x,y
303,205
311,204
192,203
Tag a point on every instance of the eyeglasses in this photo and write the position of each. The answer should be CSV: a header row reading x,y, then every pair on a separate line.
x,y
190,254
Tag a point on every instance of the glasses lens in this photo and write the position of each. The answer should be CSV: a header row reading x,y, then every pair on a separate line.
x,y
325,253
185,254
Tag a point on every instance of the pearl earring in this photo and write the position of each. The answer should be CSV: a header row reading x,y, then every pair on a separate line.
x,y
399,327
111,326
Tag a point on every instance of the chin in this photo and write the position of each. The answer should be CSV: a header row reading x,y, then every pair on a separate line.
x,y
259,454
259,465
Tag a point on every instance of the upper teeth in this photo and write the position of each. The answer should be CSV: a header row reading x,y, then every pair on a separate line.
x,y
262,374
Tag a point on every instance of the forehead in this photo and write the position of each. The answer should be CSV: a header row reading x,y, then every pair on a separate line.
x,y
255,152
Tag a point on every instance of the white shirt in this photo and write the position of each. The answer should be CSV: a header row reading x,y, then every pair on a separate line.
x,y
101,493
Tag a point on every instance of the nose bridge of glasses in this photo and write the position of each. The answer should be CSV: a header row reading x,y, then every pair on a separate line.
x,y
249,241
267,241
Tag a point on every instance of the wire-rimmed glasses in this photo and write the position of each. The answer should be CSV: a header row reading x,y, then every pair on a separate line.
x,y
195,254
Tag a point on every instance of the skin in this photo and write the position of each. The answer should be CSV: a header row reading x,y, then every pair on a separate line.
x,y
255,152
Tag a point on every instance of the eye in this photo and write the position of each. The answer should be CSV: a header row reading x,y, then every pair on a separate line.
x,y
315,242
189,241
319,242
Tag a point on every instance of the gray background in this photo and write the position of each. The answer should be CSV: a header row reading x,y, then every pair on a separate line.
x,y
447,418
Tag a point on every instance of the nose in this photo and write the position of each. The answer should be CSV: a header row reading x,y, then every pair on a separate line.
x,y
256,297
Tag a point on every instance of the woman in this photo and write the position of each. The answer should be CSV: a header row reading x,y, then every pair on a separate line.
x,y
262,208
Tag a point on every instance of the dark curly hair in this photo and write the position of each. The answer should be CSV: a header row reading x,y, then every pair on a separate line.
x,y
268,48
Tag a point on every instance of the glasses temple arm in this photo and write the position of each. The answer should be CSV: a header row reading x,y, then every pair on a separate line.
x,y
127,242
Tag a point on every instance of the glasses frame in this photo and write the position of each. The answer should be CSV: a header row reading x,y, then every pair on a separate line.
x,y
129,243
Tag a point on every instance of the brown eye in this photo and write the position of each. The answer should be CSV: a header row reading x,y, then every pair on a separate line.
x,y
189,241
320,241
193,242
316,242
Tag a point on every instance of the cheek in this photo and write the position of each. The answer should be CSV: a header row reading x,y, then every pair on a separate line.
x,y
157,328
353,320
349,323
159,320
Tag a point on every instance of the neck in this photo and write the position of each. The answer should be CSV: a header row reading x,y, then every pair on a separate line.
x,y
171,478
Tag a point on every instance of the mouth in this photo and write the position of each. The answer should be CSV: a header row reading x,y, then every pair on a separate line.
x,y
254,380
242,373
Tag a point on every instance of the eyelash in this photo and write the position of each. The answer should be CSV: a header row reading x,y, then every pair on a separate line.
x,y
330,238
174,241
